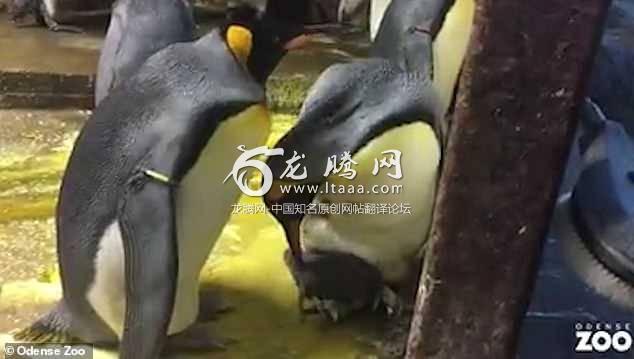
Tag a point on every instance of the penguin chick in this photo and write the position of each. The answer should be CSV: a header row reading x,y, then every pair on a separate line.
x,y
337,283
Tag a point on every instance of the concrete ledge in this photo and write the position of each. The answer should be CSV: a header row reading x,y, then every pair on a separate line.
x,y
20,90
40,69
45,90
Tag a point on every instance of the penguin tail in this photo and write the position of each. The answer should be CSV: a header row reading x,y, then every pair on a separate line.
x,y
53,327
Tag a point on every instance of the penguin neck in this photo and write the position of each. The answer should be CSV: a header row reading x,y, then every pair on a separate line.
x,y
261,67
451,40
410,28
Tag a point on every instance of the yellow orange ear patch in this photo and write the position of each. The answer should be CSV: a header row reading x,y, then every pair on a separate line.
x,y
240,41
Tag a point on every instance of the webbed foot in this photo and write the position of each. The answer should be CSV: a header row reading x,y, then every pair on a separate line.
x,y
211,304
66,28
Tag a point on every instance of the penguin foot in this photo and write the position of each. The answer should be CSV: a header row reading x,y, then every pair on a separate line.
x,y
197,338
66,28
211,305
327,308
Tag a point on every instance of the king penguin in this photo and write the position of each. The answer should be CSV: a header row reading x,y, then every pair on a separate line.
x,y
143,201
138,29
395,100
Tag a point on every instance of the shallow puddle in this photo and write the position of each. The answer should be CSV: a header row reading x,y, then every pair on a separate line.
x,y
246,267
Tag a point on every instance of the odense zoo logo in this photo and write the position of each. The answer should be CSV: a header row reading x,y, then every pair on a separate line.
x,y
601,338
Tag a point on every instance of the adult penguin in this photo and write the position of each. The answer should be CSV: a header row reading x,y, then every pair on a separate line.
x,y
143,200
396,100
138,29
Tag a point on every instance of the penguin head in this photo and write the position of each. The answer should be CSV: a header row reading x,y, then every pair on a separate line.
x,y
260,38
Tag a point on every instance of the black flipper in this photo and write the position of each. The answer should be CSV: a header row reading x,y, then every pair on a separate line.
x,y
151,264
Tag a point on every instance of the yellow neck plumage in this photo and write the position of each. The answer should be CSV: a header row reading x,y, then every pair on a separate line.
x,y
240,41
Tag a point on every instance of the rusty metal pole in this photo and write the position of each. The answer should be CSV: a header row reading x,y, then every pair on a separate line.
x,y
515,114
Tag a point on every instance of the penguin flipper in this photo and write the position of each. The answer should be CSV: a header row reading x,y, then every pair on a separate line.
x,y
148,230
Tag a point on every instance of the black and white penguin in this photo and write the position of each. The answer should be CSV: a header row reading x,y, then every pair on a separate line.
x,y
138,29
57,14
395,100
143,199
